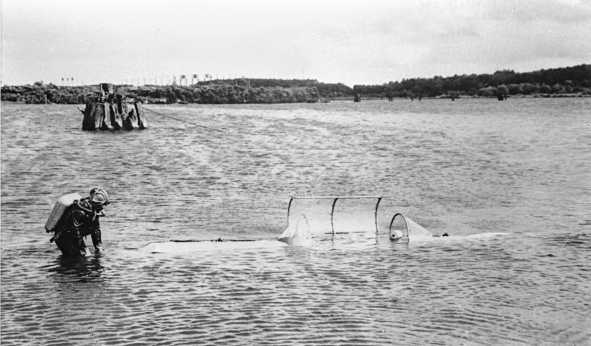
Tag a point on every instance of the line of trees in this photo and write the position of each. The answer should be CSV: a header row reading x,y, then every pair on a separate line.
x,y
47,93
574,80
222,94
566,80
212,91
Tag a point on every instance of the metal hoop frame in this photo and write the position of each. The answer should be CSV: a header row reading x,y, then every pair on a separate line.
x,y
392,222
334,203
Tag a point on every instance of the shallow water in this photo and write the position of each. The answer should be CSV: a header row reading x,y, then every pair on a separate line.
x,y
469,167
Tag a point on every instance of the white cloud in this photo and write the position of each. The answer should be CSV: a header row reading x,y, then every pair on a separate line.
x,y
354,42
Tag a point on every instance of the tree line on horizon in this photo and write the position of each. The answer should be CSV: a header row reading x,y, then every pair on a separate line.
x,y
208,92
574,80
564,80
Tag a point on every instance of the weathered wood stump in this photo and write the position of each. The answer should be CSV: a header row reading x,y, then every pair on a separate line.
x,y
109,111
130,122
110,116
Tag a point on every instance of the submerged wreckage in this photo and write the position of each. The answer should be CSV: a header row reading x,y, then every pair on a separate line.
x,y
310,221
316,220
111,111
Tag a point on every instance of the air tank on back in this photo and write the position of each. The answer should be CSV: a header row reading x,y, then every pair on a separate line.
x,y
59,208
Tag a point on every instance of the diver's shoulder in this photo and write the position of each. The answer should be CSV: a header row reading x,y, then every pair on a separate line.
x,y
82,204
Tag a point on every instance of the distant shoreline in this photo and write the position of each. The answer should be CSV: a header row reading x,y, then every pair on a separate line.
x,y
349,99
574,81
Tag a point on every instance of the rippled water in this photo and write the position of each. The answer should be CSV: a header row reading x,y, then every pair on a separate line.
x,y
470,167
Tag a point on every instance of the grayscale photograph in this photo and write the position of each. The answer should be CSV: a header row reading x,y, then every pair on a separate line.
x,y
295,172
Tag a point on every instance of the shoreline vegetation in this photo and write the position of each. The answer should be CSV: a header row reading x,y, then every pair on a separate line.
x,y
574,81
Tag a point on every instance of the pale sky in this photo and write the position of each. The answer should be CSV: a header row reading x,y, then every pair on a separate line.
x,y
347,41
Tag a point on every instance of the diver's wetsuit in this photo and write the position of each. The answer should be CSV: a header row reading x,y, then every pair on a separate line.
x,y
80,220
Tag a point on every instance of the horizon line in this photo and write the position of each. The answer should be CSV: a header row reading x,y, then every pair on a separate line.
x,y
169,81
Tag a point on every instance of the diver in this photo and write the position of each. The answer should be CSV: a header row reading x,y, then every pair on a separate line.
x,y
80,219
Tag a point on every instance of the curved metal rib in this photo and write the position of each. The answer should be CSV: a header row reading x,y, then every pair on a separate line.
x,y
288,209
376,214
334,202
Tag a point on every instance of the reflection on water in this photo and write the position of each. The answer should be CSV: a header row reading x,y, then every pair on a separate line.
x,y
508,181
81,269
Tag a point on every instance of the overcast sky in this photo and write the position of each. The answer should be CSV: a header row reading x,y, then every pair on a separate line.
x,y
333,41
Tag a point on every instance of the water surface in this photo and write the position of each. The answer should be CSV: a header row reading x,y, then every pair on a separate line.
x,y
520,167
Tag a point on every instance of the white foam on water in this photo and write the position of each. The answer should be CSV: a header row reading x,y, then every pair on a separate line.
x,y
424,240
188,247
298,233
416,231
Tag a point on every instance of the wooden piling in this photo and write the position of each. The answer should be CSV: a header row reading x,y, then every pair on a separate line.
x,y
106,117
88,120
141,119
116,121
109,111
130,121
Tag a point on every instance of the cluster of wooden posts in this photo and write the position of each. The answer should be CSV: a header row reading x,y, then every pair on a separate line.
x,y
113,116
110,111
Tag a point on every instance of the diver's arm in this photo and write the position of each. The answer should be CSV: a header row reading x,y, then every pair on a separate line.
x,y
96,239
96,236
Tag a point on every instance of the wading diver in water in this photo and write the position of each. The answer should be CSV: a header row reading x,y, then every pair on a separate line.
x,y
79,220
